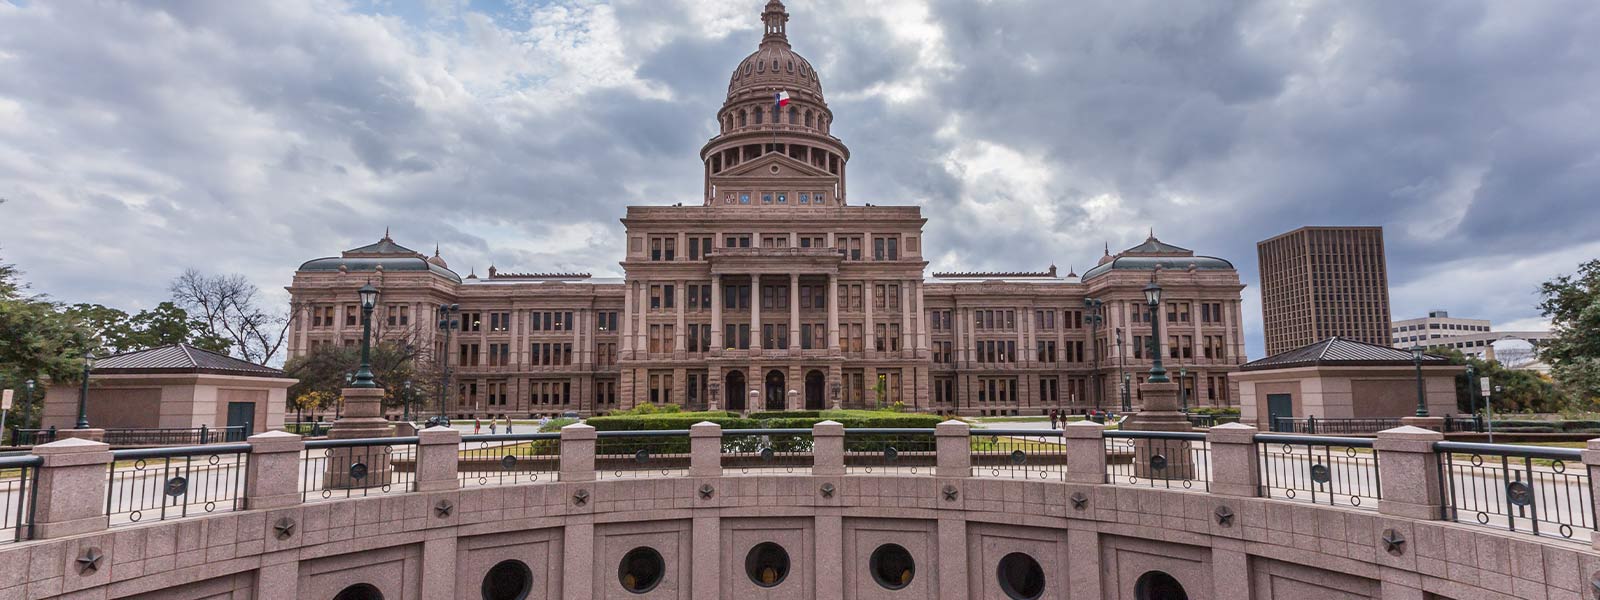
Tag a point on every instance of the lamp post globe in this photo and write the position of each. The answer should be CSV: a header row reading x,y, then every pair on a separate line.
x,y
369,300
27,403
83,394
1152,296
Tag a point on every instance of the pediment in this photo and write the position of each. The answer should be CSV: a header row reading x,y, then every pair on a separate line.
x,y
786,167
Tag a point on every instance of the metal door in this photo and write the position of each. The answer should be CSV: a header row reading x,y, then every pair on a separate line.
x,y
242,415
1279,405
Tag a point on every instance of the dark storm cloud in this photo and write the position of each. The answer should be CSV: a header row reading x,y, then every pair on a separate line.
x,y
138,138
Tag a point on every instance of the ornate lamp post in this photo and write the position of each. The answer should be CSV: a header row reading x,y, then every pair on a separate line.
x,y
833,393
369,300
1127,392
447,324
1122,370
1183,382
712,389
83,394
27,404
405,401
1094,319
1152,296
1422,396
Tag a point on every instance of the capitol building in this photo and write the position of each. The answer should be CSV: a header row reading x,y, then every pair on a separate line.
x,y
777,290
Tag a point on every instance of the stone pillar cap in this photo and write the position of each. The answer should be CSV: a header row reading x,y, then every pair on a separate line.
x,y
71,446
1083,429
72,452
705,429
439,434
829,427
1236,433
952,427
1409,432
275,441
578,431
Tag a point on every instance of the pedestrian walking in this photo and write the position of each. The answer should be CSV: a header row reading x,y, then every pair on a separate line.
x,y
493,424
477,425
508,424
1052,419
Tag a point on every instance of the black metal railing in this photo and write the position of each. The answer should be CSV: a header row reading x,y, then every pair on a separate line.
x,y
1158,458
308,428
173,436
358,467
663,453
1537,489
1019,454
19,483
163,483
767,450
1314,425
32,437
892,451
1321,470
507,458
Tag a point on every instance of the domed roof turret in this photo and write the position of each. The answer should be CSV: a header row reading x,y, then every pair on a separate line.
x,y
437,260
775,65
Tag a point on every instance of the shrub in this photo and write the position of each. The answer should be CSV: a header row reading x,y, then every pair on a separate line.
x,y
784,414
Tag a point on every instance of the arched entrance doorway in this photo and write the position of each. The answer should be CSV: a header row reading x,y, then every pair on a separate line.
x,y
1156,585
775,390
733,391
814,384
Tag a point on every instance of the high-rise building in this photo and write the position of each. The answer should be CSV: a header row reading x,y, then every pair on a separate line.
x,y
1321,282
775,292
1475,337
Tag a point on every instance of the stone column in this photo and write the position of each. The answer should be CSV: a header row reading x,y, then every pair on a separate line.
x,y
71,495
1235,460
678,334
717,343
1086,451
1408,469
577,453
869,335
627,322
922,323
271,473
827,449
905,319
705,450
833,312
640,332
794,312
577,540
438,459
954,443
958,353
755,314
1159,412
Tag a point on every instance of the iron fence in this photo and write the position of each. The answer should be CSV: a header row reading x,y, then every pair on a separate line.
x,y
308,428
767,450
1158,458
173,436
19,483
1541,490
172,482
507,458
893,451
32,437
1019,454
662,453
358,467
1317,469
1320,426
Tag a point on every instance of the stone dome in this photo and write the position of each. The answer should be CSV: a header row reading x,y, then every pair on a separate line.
x,y
775,65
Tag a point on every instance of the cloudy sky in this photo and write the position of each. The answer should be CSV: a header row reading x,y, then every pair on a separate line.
x,y
141,138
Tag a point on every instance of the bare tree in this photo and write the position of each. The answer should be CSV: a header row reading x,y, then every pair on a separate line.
x,y
227,304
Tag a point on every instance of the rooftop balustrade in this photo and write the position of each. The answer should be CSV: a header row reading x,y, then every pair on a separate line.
x,y
1403,472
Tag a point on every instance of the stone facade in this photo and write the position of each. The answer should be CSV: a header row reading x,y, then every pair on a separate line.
x,y
774,292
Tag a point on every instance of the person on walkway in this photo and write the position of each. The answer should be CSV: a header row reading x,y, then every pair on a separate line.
x,y
1053,419
508,424
493,425
477,425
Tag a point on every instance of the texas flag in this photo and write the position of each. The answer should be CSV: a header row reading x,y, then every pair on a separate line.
x,y
783,99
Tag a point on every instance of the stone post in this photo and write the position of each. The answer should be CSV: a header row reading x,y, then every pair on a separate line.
x,y
705,449
273,470
1235,460
1159,412
1591,460
362,419
1408,468
439,459
1428,423
71,494
577,452
827,449
954,442
1086,451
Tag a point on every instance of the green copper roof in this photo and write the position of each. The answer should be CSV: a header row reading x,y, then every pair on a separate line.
x,y
1165,263
366,264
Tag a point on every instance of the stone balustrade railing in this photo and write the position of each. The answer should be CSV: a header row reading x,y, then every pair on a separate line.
x,y
78,486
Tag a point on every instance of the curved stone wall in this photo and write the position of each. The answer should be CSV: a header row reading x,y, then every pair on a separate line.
x,y
1089,541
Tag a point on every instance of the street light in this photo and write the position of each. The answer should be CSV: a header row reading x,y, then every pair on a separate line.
x,y
27,403
1183,384
406,401
1094,319
1127,395
83,395
1122,369
1422,397
833,392
447,324
369,300
1152,296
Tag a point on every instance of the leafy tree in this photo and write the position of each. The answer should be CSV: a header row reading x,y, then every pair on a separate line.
x,y
36,340
1520,391
1573,305
395,361
164,325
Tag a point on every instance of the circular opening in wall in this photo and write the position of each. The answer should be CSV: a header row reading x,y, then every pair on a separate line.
x,y
1156,585
767,564
360,591
641,569
1021,577
508,580
892,566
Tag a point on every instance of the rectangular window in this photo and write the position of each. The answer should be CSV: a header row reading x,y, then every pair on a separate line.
x,y
885,248
472,322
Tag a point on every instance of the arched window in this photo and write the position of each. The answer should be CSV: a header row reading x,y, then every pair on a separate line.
x,y
808,118
360,591
744,118
1156,585
758,116
794,115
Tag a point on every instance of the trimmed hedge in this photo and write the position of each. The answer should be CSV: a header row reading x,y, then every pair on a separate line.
x,y
667,421
784,414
